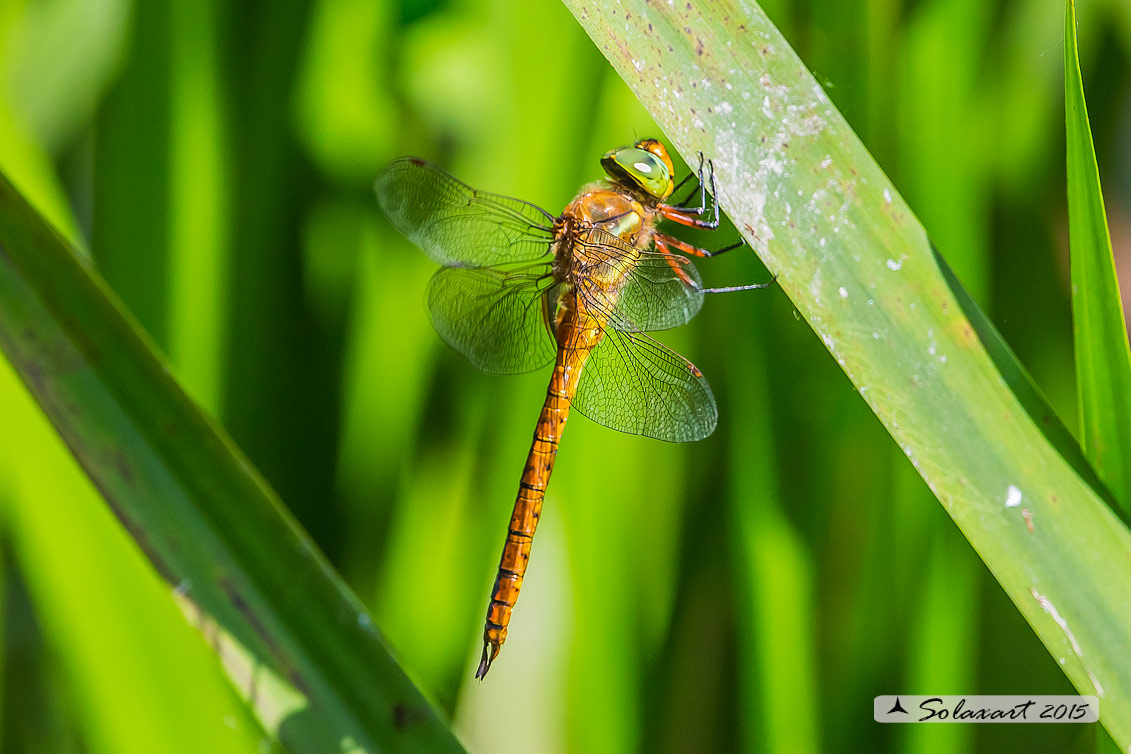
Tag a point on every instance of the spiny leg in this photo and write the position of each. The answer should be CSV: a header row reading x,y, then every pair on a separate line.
x,y
665,243
695,251
675,262
702,189
699,184
736,288
692,216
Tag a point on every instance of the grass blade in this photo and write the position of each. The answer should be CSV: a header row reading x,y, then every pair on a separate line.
x,y
1103,357
294,640
857,264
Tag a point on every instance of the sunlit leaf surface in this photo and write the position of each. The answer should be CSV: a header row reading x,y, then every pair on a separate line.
x,y
719,78
1103,360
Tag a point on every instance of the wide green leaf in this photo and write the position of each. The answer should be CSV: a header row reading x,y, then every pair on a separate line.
x,y
857,264
1103,357
294,640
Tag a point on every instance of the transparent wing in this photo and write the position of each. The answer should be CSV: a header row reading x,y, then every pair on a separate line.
x,y
634,384
457,225
494,316
656,297
659,291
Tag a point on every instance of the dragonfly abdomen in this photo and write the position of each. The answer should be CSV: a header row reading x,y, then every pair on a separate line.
x,y
528,504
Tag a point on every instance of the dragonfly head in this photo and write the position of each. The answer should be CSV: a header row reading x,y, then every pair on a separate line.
x,y
645,165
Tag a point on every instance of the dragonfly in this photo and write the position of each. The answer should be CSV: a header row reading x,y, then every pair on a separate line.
x,y
520,288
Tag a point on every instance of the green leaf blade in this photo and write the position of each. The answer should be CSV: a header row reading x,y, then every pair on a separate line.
x,y
293,639
857,264
1103,356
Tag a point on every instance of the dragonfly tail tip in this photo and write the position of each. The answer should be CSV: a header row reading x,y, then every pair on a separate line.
x,y
490,651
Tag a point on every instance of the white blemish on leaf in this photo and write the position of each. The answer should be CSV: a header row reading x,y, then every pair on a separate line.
x,y
843,292
815,288
1048,607
895,265
773,165
1012,497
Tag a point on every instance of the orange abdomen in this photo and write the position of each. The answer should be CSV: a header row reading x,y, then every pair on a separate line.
x,y
524,520
572,353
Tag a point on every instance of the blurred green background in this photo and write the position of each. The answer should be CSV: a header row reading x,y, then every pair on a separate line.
x,y
751,592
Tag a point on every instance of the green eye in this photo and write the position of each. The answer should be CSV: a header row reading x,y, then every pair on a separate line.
x,y
640,168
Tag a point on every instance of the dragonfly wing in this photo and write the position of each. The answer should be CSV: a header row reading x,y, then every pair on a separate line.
x,y
660,291
494,316
634,384
457,225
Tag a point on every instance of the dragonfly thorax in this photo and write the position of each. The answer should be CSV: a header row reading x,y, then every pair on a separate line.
x,y
603,206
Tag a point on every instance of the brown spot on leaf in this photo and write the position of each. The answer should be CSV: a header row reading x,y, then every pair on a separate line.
x,y
236,598
404,716
122,465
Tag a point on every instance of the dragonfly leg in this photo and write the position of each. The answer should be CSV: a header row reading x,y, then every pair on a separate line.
x,y
699,184
674,261
692,216
666,243
671,242
689,217
735,288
